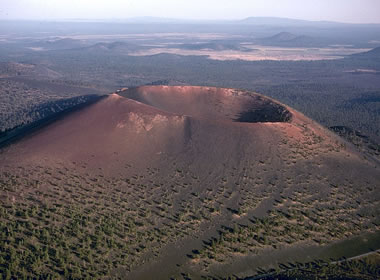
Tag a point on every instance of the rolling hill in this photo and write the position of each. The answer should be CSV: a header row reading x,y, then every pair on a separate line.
x,y
372,54
112,47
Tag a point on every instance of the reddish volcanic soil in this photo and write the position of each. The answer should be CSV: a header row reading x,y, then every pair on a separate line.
x,y
205,146
99,135
195,125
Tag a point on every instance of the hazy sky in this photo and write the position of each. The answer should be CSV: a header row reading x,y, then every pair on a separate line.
x,y
360,11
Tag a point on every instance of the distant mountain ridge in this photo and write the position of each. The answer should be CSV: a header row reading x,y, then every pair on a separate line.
x,y
283,21
289,39
249,20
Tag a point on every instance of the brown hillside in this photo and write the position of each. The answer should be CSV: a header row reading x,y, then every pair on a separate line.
x,y
198,181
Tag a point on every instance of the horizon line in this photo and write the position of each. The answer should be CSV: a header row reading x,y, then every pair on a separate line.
x,y
153,19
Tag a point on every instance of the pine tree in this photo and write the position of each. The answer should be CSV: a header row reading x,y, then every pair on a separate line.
x,y
7,275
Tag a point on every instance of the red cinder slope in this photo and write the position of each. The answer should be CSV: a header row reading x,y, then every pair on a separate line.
x,y
170,181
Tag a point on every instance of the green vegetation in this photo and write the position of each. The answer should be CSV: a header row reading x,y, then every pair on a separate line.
x,y
330,105
21,104
66,221
303,217
358,269
56,222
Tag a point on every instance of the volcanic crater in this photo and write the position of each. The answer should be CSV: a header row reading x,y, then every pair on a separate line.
x,y
185,182
218,104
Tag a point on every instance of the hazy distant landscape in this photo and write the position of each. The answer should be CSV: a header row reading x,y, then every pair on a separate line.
x,y
113,165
